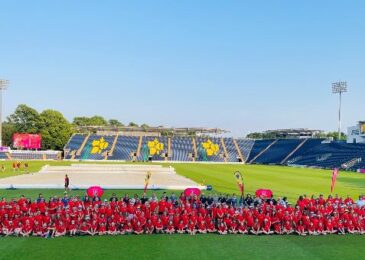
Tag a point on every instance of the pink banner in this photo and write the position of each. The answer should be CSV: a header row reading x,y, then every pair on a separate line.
x,y
27,141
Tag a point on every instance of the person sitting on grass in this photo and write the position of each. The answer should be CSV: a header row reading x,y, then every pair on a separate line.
x,y
149,228
112,229
94,227
222,228
170,229
159,227
180,227
266,227
299,229
233,227
60,229
128,228
350,228
8,229
191,228
37,229
18,228
288,227
84,229
26,229
102,229
138,228
202,228
73,228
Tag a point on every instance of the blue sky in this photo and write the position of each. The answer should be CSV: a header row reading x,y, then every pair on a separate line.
x,y
239,65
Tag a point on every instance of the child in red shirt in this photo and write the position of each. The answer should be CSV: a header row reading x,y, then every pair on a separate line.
x,y
256,228
159,227
170,229
8,229
138,229
202,229
222,228
60,229
191,228
299,229
27,229
180,228
266,228
149,227
72,228
112,229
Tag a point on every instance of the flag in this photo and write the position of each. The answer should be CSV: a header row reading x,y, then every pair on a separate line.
x,y
147,181
335,173
239,179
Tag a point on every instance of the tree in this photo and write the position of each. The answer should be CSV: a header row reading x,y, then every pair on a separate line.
x,y
55,130
81,121
98,121
114,122
255,135
7,133
334,135
25,120
89,121
145,126
133,124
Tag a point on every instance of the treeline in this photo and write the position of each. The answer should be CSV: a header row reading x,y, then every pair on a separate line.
x,y
51,124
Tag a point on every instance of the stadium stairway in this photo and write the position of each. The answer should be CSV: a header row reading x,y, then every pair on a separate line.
x,y
194,149
79,151
263,151
238,150
138,153
226,156
113,146
168,149
278,151
247,147
8,155
296,149
73,145
309,144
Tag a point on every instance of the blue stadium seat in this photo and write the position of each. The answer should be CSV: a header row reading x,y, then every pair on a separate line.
x,y
126,145
279,151
181,147
74,144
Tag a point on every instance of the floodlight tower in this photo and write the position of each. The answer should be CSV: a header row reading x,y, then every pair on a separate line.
x,y
339,88
3,86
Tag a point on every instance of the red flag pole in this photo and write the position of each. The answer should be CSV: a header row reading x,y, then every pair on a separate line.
x,y
334,178
147,181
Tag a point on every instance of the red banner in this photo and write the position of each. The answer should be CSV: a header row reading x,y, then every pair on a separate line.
x,y
27,141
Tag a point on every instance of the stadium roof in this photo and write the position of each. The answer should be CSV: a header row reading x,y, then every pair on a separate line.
x,y
158,129
293,130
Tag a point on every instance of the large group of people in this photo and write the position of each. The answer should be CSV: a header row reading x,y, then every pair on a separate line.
x,y
169,214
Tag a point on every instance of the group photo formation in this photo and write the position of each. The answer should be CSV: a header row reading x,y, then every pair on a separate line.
x,y
182,130
183,214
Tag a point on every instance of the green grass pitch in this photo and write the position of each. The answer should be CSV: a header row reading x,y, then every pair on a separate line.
x,y
284,181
